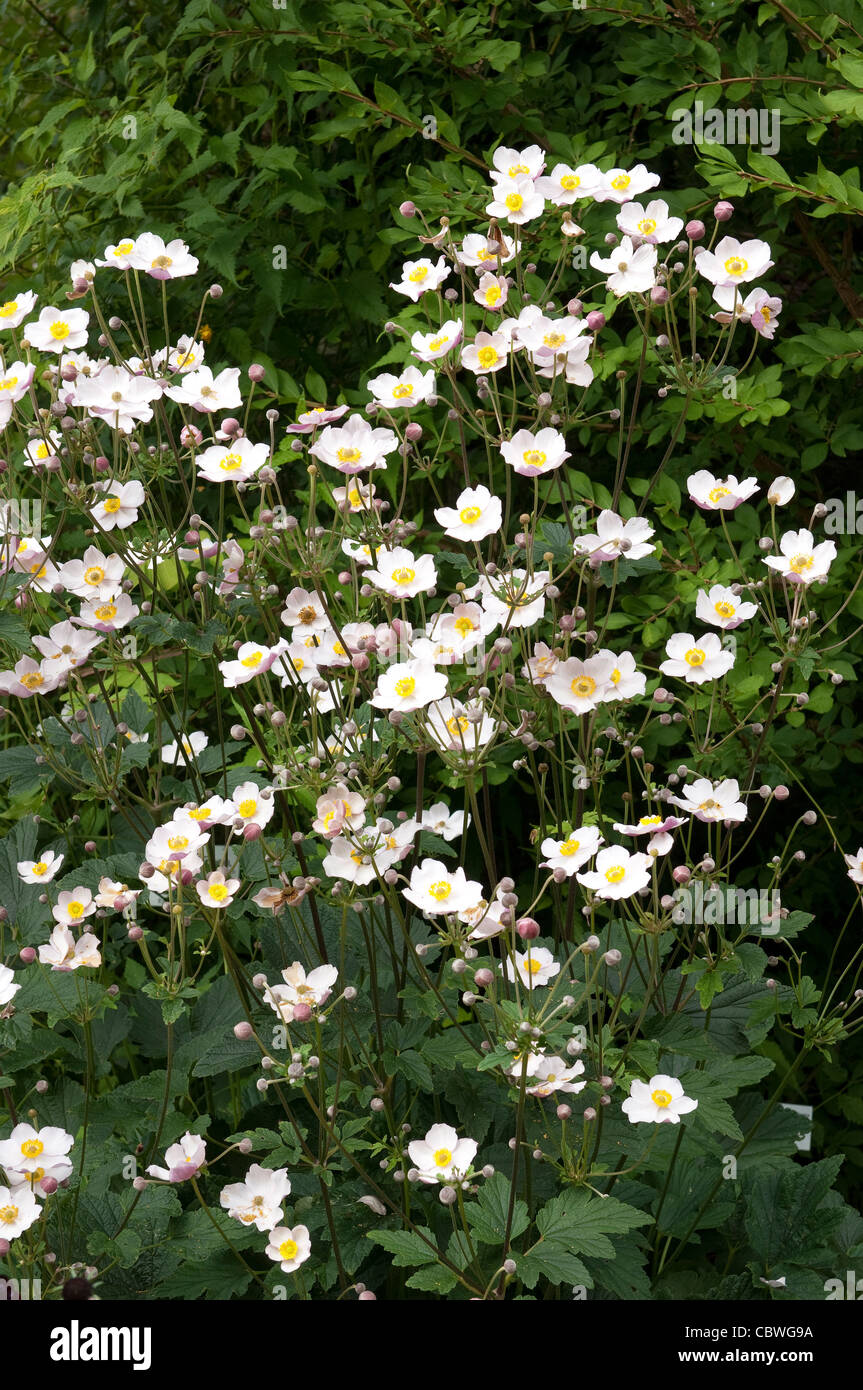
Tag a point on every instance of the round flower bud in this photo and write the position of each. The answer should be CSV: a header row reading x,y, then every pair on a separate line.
x,y
695,230
302,1013
590,1113
483,978
407,209
447,1196
367,1296
527,928
595,320
49,1186
723,211
612,958
257,372
781,792
41,1087
243,1031
659,294
376,1104
28,955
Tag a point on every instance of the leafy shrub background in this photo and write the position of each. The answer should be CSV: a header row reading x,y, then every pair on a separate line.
x,y
258,128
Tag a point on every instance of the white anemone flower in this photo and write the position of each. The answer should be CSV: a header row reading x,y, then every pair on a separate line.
x,y
720,606
733,262
257,1200
441,1156
617,873
658,1101
476,514
572,853
800,560
438,891
696,659
709,801
535,967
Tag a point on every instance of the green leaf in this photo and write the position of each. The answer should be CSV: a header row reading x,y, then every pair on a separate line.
x,y
488,1215
406,1247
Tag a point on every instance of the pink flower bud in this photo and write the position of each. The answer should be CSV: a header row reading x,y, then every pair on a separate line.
x,y
302,1013
252,832
407,209
28,955
723,211
595,320
243,1031
527,928
695,230
681,874
659,295
135,934
189,435
257,372
230,425
49,1186
483,978
414,432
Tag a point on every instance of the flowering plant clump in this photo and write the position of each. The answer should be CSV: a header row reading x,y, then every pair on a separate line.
x,y
404,805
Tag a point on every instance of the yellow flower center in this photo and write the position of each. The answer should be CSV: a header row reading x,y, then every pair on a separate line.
x,y
253,659
568,848
8,309
615,874
348,455
534,458
40,868
161,263
112,504
8,383
801,563
724,608
405,687
123,248
569,182
459,724
177,842
695,657
469,515
41,451
404,575
74,910
31,1148
621,182
8,1215
516,169
514,202
418,274
765,313
554,340
288,1249
231,462
650,820
532,966
493,294
94,575
32,680
106,612
436,343
717,493
487,356
403,389
442,1158
440,891
218,892
660,1098
583,687
59,330
248,807
647,226
464,625
736,265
